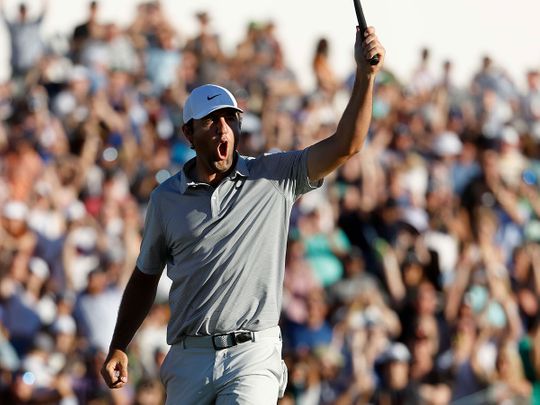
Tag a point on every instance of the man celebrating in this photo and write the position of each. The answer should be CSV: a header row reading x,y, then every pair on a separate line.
x,y
220,225
27,46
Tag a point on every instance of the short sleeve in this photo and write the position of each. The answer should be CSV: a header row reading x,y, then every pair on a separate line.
x,y
153,254
289,172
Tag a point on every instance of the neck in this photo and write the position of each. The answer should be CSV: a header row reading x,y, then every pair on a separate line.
x,y
204,174
421,367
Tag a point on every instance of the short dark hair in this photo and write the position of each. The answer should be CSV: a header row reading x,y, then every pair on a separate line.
x,y
189,124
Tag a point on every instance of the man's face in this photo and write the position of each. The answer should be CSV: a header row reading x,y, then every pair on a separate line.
x,y
398,374
215,138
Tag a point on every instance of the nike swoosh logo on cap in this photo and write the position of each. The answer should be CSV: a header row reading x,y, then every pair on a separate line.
x,y
211,97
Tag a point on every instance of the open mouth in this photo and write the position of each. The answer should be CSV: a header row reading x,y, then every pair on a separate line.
x,y
222,150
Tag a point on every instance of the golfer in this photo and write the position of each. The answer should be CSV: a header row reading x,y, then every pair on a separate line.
x,y
220,226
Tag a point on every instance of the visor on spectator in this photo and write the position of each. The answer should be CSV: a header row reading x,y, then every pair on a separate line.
x,y
207,99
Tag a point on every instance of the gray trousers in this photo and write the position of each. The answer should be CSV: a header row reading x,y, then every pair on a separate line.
x,y
249,373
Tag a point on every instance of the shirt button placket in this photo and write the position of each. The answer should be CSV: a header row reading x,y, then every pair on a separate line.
x,y
215,203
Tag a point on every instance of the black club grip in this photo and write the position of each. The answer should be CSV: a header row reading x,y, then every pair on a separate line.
x,y
363,26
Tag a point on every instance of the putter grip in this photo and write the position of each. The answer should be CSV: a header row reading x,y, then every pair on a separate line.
x,y
363,26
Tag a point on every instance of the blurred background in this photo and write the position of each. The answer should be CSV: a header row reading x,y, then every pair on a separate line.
x,y
412,276
460,30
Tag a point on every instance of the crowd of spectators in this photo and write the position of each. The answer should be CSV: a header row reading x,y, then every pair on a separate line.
x,y
412,277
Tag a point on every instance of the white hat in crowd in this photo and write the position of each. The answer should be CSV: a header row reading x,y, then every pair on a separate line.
x,y
396,352
75,211
39,267
15,210
64,324
447,144
509,135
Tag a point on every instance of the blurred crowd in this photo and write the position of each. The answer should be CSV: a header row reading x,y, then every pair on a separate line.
x,y
412,276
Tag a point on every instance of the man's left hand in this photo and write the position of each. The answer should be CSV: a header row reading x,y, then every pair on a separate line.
x,y
367,45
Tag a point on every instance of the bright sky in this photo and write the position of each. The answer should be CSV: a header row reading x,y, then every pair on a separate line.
x,y
460,30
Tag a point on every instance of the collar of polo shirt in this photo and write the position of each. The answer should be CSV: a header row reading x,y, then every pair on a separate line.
x,y
240,169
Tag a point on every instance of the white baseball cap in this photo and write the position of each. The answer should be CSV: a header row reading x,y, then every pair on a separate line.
x,y
206,99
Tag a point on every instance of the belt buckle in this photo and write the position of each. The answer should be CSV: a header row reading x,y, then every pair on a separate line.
x,y
243,337
235,337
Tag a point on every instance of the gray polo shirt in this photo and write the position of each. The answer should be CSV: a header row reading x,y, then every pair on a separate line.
x,y
224,246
